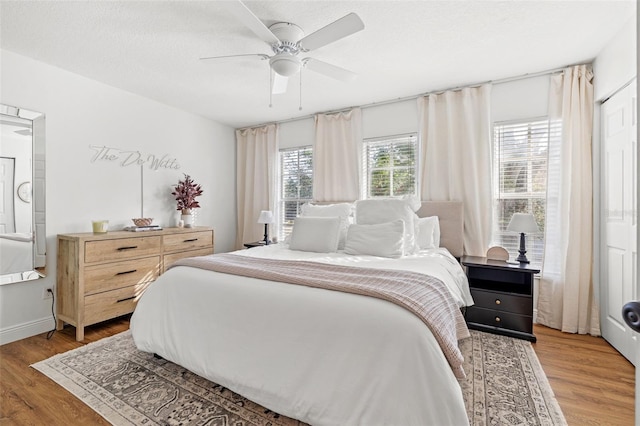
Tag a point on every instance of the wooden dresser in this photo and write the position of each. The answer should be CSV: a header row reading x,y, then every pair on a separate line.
x,y
102,276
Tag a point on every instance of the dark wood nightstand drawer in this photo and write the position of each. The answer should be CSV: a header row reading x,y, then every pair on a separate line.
x,y
502,301
499,319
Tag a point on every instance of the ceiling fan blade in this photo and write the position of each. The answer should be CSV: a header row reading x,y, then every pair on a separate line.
x,y
215,58
329,70
336,30
250,20
279,84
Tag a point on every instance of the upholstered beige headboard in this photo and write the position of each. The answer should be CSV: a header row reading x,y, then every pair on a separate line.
x,y
451,218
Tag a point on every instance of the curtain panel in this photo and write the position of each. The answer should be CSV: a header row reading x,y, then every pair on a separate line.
x,y
455,158
256,177
566,298
337,156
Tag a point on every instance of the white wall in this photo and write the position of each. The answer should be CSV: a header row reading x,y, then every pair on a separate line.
x,y
81,112
513,100
615,65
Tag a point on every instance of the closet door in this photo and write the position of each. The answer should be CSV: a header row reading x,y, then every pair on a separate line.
x,y
618,250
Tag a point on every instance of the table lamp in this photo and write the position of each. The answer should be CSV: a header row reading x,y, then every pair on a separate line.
x,y
523,223
266,217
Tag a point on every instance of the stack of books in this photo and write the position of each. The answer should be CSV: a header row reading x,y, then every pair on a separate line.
x,y
143,228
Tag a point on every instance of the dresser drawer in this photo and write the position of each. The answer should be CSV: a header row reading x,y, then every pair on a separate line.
x,y
125,273
121,248
169,259
110,304
505,302
188,241
500,319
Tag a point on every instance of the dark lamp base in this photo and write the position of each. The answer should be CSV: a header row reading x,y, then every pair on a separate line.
x,y
522,258
266,234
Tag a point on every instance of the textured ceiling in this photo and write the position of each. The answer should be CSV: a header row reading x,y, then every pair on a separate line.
x,y
407,47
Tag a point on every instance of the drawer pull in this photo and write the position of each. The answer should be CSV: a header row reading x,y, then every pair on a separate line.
x,y
498,319
125,299
127,272
127,248
190,240
498,301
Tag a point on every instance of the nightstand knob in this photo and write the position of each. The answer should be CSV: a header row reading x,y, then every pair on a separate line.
x,y
498,301
497,319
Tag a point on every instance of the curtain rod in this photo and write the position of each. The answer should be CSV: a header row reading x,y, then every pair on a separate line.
x,y
406,98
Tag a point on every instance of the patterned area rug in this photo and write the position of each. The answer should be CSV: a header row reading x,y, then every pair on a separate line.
x,y
505,385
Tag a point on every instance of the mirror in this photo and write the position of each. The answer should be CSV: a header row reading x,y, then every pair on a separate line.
x,y
22,195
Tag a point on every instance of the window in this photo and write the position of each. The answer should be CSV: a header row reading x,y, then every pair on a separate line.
x,y
520,179
390,166
296,185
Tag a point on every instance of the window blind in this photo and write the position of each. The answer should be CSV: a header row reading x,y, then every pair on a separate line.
x,y
390,166
296,185
521,156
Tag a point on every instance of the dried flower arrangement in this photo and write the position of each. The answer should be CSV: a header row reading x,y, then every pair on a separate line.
x,y
186,192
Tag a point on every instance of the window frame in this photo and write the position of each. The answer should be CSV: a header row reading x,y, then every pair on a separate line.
x,y
500,236
284,227
367,172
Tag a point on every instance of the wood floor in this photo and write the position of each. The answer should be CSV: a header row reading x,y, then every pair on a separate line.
x,y
592,382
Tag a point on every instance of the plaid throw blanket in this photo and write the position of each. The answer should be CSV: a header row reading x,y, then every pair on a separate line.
x,y
423,295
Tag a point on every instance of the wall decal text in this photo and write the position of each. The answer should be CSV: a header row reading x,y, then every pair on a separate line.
x,y
133,158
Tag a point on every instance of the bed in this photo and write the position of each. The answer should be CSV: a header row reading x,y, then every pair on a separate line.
x,y
321,356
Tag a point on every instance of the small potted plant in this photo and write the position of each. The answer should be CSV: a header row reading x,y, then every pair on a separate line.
x,y
186,192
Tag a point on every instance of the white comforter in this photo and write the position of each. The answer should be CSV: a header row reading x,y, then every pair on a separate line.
x,y
320,356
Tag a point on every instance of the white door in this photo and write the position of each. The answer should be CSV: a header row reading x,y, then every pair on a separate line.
x,y
618,251
7,184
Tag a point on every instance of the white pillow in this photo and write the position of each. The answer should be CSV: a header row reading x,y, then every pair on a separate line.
x,y
328,210
426,228
382,239
370,212
317,234
341,210
414,202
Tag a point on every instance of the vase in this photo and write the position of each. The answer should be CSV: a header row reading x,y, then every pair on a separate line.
x,y
187,218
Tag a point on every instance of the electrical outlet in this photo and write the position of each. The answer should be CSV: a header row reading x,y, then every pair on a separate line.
x,y
47,293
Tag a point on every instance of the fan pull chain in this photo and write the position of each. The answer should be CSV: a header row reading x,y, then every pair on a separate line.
x,y
300,105
270,88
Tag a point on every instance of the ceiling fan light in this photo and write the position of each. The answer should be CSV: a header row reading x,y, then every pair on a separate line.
x,y
285,64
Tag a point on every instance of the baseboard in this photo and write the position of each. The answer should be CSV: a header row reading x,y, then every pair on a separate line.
x,y
24,330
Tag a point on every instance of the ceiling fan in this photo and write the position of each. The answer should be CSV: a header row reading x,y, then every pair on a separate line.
x,y
288,41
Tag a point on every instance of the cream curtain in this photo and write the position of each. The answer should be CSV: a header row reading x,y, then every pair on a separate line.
x,y
336,156
455,158
566,296
256,180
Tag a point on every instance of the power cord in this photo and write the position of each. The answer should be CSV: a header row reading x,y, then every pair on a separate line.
x,y
53,302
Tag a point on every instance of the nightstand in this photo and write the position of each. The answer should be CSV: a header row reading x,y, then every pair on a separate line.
x,y
503,296
255,244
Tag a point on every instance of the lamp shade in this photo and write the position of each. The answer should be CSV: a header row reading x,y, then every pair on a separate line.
x,y
265,217
523,223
